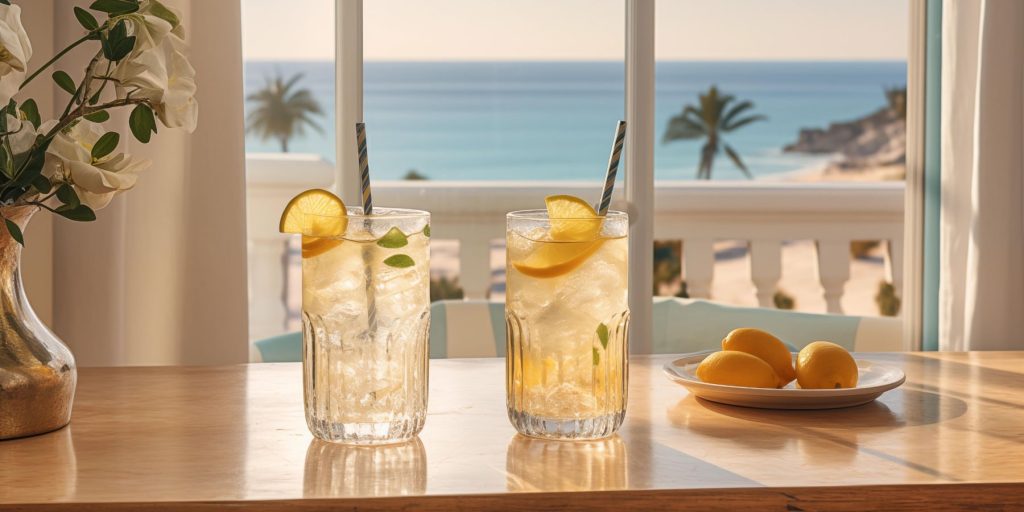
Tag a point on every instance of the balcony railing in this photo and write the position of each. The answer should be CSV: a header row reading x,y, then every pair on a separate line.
x,y
765,214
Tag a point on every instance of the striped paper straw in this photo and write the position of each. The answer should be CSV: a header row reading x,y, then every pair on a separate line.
x,y
364,185
613,168
364,169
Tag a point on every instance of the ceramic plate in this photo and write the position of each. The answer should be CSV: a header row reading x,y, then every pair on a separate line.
x,y
874,380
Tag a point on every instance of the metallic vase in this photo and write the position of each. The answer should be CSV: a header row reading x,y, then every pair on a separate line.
x,y
37,371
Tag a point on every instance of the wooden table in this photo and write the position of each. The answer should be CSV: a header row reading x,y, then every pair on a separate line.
x,y
196,438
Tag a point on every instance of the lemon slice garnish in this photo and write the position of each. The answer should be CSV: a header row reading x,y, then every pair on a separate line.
x,y
319,216
551,259
313,246
572,219
575,233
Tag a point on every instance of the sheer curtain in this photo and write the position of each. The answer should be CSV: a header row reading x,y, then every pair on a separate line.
x,y
160,277
981,292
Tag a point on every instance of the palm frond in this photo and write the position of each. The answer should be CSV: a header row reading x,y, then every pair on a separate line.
x,y
736,110
735,157
682,127
743,122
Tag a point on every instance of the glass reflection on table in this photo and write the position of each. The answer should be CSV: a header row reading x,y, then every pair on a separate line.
x,y
335,470
543,465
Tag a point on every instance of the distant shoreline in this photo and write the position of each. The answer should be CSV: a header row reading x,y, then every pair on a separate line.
x,y
535,120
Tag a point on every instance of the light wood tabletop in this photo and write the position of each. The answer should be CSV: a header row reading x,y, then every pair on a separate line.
x,y
197,438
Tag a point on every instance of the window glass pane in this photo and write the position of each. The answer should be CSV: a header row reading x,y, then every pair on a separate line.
x,y
289,87
492,89
814,221
292,83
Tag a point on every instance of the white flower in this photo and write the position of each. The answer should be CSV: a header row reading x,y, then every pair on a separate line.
x,y
164,76
97,181
15,48
15,51
152,23
23,134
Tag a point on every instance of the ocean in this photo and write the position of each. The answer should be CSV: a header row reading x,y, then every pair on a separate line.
x,y
555,120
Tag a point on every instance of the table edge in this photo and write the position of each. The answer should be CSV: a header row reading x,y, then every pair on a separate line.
x,y
936,497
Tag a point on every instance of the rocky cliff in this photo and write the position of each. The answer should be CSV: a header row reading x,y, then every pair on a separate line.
x,y
876,140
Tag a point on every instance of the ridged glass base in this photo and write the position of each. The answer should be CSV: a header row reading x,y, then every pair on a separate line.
x,y
579,429
398,431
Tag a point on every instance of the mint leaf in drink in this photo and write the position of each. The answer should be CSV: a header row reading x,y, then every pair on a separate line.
x,y
602,334
399,261
426,231
393,239
597,356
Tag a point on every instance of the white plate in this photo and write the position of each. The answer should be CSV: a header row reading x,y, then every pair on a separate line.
x,y
874,379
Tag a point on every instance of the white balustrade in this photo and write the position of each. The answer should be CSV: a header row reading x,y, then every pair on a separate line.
x,y
271,181
765,214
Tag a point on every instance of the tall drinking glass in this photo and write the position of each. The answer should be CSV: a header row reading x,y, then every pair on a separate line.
x,y
365,321
567,319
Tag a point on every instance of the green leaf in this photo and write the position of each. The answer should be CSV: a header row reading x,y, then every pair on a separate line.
x,y
5,2
142,123
64,81
113,38
106,144
81,213
114,6
98,117
15,231
399,261
602,334
42,184
33,166
67,195
87,20
161,11
426,231
122,48
393,239
31,111
597,356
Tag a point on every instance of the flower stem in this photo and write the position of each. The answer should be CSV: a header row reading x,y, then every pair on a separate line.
x,y
54,59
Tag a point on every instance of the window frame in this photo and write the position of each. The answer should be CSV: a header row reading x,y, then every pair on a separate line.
x,y
639,159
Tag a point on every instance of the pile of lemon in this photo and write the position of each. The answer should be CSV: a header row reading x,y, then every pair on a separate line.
x,y
754,358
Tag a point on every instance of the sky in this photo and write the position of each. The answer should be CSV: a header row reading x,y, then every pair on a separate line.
x,y
418,30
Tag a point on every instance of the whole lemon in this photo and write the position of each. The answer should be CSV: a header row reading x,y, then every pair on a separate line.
x,y
737,369
766,347
825,365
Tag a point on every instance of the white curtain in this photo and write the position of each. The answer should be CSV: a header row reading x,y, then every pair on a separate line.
x,y
160,277
981,290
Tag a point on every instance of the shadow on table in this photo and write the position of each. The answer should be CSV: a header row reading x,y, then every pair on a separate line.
x,y
336,470
899,408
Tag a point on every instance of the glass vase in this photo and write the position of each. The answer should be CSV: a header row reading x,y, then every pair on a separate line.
x,y
37,371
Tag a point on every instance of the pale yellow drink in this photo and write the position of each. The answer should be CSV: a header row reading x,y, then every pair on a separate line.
x,y
366,317
567,317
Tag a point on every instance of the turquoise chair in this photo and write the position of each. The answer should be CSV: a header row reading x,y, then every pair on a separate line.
x,y
477,329
457,329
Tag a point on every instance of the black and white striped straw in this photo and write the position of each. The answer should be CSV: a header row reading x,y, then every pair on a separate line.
x,y
364,169
364,185
613,168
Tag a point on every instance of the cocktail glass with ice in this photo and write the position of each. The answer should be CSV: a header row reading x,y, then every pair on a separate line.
x,y
365,322
567,321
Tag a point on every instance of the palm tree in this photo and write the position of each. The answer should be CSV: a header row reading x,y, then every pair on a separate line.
x,y
715,115
281,112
